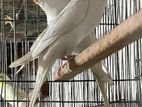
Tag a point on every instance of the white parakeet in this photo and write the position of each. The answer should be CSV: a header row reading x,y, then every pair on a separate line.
x,y
53,10
62,36
9,92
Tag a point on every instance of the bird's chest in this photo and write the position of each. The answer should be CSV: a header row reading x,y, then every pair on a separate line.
x,y
69,46
66,45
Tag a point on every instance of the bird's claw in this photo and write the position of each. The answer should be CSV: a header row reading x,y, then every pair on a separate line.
x,y
60,72
65,68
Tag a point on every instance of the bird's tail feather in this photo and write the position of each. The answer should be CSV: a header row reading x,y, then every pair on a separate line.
x,y
40,78
102,78
101,71
36,90
101,85
22,61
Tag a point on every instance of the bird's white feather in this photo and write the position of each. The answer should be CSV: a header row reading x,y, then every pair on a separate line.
x,y
67,20
70,27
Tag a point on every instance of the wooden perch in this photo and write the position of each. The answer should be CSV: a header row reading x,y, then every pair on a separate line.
x,y
127,32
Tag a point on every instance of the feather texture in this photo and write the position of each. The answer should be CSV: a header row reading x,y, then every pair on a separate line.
x,y
63,35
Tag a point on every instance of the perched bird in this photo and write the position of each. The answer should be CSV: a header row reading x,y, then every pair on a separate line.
x,y
53,10
9,92
62,36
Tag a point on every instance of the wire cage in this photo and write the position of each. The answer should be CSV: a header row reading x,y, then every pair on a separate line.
x,y
22,21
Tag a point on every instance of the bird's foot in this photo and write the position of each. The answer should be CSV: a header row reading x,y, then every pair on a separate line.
x,y
65,68
62,70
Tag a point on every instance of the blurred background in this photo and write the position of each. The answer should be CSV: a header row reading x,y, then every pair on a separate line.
x,y
21,21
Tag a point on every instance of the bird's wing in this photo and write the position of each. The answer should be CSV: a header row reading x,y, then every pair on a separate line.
x,y
50,7
38,39
67,20
101,85
85,43
100,70
99,74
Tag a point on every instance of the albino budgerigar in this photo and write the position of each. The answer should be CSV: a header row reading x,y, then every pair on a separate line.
x,y
100,75
62,36
9,92
52,9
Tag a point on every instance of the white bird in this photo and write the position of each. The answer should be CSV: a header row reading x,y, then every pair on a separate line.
x,y
9,92
65,32
101,76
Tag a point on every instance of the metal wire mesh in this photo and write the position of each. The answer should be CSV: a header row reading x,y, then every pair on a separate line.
x,y
125,66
